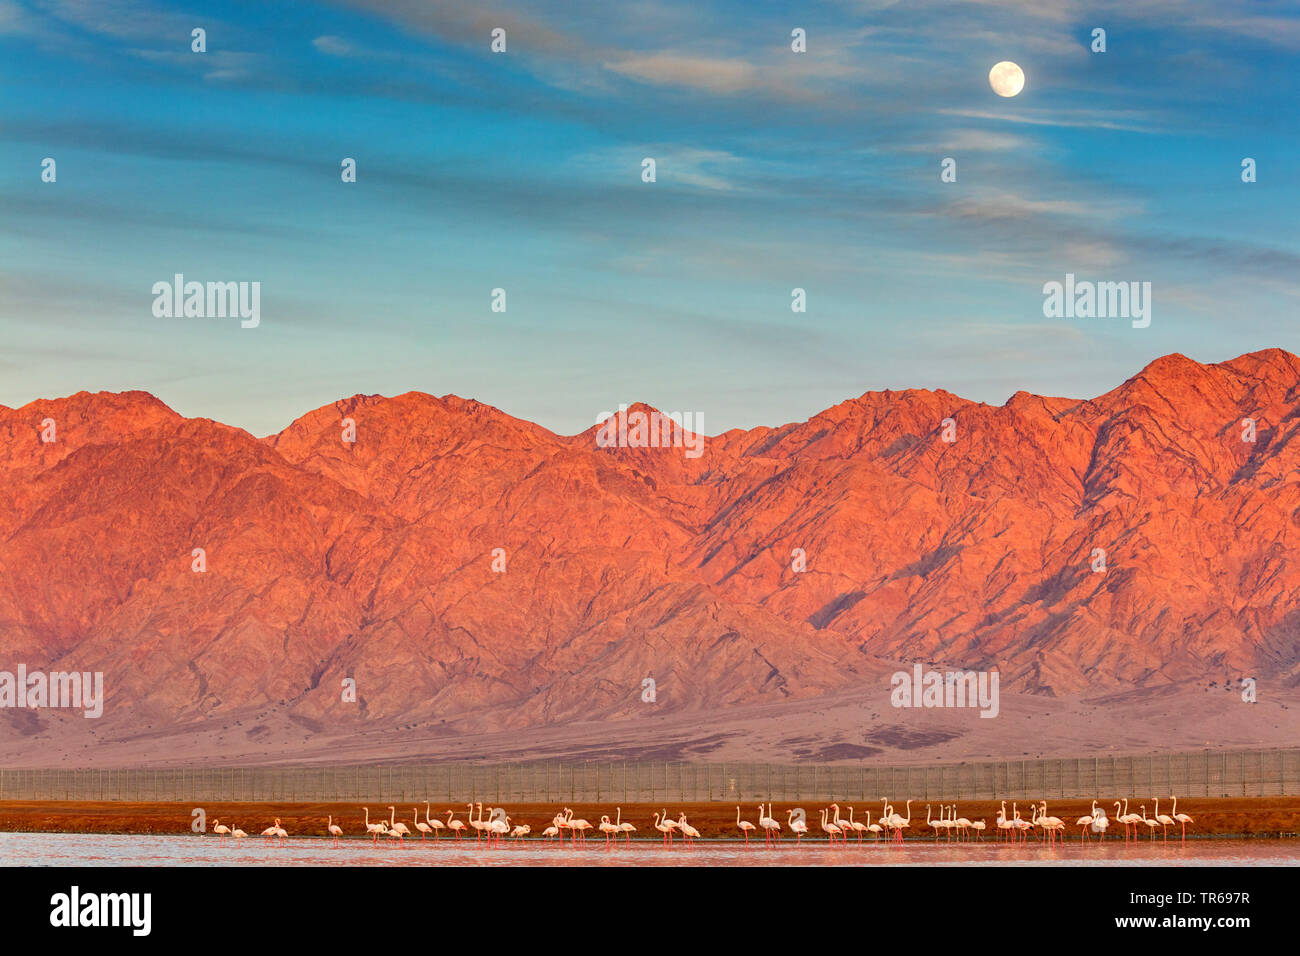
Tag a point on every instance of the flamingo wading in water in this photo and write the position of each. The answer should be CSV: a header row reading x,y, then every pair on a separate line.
x,y
797,820
744,826
1182,818
770,825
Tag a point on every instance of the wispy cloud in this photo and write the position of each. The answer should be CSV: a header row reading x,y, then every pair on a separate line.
x,y
334,46
1131,121
670,69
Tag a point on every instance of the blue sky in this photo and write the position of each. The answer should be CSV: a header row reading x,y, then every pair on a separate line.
x,y
522,170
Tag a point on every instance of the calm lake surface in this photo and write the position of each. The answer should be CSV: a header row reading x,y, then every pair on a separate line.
x,y
65,849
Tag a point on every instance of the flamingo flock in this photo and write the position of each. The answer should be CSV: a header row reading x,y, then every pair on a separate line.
x,y
491,826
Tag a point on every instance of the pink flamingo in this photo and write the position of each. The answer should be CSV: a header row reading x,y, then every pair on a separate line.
x,y
1182,818
396,829
665,829
627,828
374,829
830,829
798,825
689,833
1165,820
744,825
875,829
607,828
579,828
436,825
1085,821
455,826
420,825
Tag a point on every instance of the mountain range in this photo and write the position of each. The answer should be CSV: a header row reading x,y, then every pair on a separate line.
x,y
475,573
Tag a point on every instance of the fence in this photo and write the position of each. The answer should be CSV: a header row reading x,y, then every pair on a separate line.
x,y
1238,773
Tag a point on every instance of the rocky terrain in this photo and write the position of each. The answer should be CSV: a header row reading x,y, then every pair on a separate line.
x,y
781,570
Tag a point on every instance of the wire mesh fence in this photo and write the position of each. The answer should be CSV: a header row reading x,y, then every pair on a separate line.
x,y
1234,773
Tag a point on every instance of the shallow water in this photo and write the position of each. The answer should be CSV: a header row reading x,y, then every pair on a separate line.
x,y
70,849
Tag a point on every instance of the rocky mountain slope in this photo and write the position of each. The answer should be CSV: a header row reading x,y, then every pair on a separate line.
x,y
375,559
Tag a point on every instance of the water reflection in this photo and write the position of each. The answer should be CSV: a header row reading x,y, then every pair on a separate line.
x,y
43,849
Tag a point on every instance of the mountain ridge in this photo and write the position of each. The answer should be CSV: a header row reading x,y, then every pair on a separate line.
x,y
377,559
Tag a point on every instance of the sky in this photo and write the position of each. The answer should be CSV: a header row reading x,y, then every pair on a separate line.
x,y
522,171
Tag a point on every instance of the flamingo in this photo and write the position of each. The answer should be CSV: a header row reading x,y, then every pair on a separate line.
x,y
743,825
1138,820
1051,825
798,827
1003,824
455,826
479,825
886,811
949,823
281,833
1165,821
334,830
220,829
579,827
437,826
944,821
1086,821
1037,820
771,827
1100,822
1182,818
270,832
961,823
498,826
396,829
936,824
1150,824
522,830
875,829
627,828
840,822
979,826
830,829
665,828
607,828
671,824
420,825
858,828
1021,825
901,823
689,833
238,834
553,831
375,829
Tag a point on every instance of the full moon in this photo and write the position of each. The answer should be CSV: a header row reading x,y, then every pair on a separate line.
x,y
1006,78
